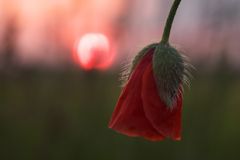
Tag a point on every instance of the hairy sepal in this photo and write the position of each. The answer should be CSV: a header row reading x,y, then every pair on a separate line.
x,y
171,71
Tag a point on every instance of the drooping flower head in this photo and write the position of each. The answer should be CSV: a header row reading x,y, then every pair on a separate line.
x,y
150,104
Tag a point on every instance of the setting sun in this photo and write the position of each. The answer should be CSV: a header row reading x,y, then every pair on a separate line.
x,y
94,51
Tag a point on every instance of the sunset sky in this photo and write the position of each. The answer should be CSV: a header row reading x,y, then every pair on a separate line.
x,y
46,31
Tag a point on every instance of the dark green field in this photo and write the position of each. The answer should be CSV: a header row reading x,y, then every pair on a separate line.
x,y
63,115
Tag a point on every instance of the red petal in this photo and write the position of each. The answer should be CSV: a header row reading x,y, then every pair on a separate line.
x,y
164,120
128,117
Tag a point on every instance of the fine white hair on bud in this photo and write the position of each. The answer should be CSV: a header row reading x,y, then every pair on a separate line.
x,y
171,70
129,67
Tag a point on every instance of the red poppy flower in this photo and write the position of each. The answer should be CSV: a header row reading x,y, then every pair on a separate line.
x,y
150,104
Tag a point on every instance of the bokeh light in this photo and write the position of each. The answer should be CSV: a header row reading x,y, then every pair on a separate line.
x,y
94,51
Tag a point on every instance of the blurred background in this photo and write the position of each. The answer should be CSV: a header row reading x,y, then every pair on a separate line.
x,y
59,69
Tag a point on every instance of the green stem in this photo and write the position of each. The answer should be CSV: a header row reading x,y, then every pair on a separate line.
x,y
169,22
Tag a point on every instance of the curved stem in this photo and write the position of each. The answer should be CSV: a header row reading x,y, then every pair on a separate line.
x,y
169,21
